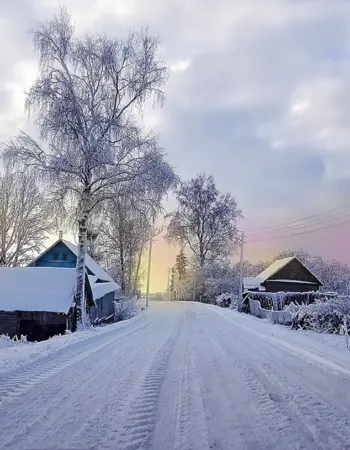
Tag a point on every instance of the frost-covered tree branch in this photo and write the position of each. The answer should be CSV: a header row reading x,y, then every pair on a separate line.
x,y
85,104
205,219
25,220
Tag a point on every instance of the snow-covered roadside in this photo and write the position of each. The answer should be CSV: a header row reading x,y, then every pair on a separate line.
x,y
326,350
182,375
16,355
6,342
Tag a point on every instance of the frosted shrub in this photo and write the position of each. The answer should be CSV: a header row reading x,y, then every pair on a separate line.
x,y
325,316
15,340
124,309
224,300
279,300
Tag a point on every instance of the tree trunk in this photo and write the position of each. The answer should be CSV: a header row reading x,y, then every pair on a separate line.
x,y
122,268
201,254
80,299
130,267
137,271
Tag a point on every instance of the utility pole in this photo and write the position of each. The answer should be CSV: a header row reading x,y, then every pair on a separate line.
x,y
240,292
168,289
149,265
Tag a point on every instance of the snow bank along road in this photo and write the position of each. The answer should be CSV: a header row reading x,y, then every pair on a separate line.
x,y
181,376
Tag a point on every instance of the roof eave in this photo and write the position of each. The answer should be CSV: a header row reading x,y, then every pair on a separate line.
x,y
284,265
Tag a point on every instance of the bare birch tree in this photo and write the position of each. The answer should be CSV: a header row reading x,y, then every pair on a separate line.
x,y
25,221
85,103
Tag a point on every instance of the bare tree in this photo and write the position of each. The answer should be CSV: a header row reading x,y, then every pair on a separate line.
x,y
84,103
128,223
125,234
24,219
205,219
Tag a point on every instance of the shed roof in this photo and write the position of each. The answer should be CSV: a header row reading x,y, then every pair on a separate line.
x,y
48,289
251,282
273,268
99,289
278,265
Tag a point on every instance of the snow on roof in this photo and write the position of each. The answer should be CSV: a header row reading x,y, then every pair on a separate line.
x,y
36,289
100,289
98,272
251,282
92,279
89,262
274,267
293,281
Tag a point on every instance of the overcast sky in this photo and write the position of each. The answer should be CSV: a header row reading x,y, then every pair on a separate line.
x,y
259,96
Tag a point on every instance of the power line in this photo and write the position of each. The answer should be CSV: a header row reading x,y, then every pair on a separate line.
x,y
302,226
299,234
296,221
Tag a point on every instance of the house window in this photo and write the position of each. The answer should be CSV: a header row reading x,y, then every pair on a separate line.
x,y
55,256
65,256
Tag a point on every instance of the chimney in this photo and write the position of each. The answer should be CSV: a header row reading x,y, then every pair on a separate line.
x,y
60,234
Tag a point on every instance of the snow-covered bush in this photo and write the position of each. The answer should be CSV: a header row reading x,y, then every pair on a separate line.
x,y
331,315
6,341
124,309
278,300
224,300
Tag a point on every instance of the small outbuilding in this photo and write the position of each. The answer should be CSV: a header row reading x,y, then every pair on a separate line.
x,y
284,275
37,302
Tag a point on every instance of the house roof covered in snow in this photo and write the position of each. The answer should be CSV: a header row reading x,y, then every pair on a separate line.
x,y
101,283
89,262
276,266
273,268
48,289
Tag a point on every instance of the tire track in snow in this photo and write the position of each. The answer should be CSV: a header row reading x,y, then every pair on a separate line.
x,y
182,411
123,393
191,429
140,421
13,385
274,420
91,416
331,428
329,424
229,424
53,396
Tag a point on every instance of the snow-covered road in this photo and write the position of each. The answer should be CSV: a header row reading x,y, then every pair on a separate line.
x,y
181,376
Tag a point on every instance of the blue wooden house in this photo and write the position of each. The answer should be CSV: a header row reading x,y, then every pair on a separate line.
x,y
64,254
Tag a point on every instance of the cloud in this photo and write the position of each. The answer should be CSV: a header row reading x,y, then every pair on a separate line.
x,y
258,95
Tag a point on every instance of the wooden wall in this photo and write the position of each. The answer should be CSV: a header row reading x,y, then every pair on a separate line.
x,y
37,326
58,256
294,271
279,286
9,323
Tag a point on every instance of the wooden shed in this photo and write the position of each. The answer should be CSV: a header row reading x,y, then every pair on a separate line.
x,y
284,275
37,302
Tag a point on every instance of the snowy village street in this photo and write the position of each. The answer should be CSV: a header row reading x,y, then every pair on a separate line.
x,y
178,376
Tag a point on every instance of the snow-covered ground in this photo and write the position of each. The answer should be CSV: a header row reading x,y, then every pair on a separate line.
x,y
178,376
